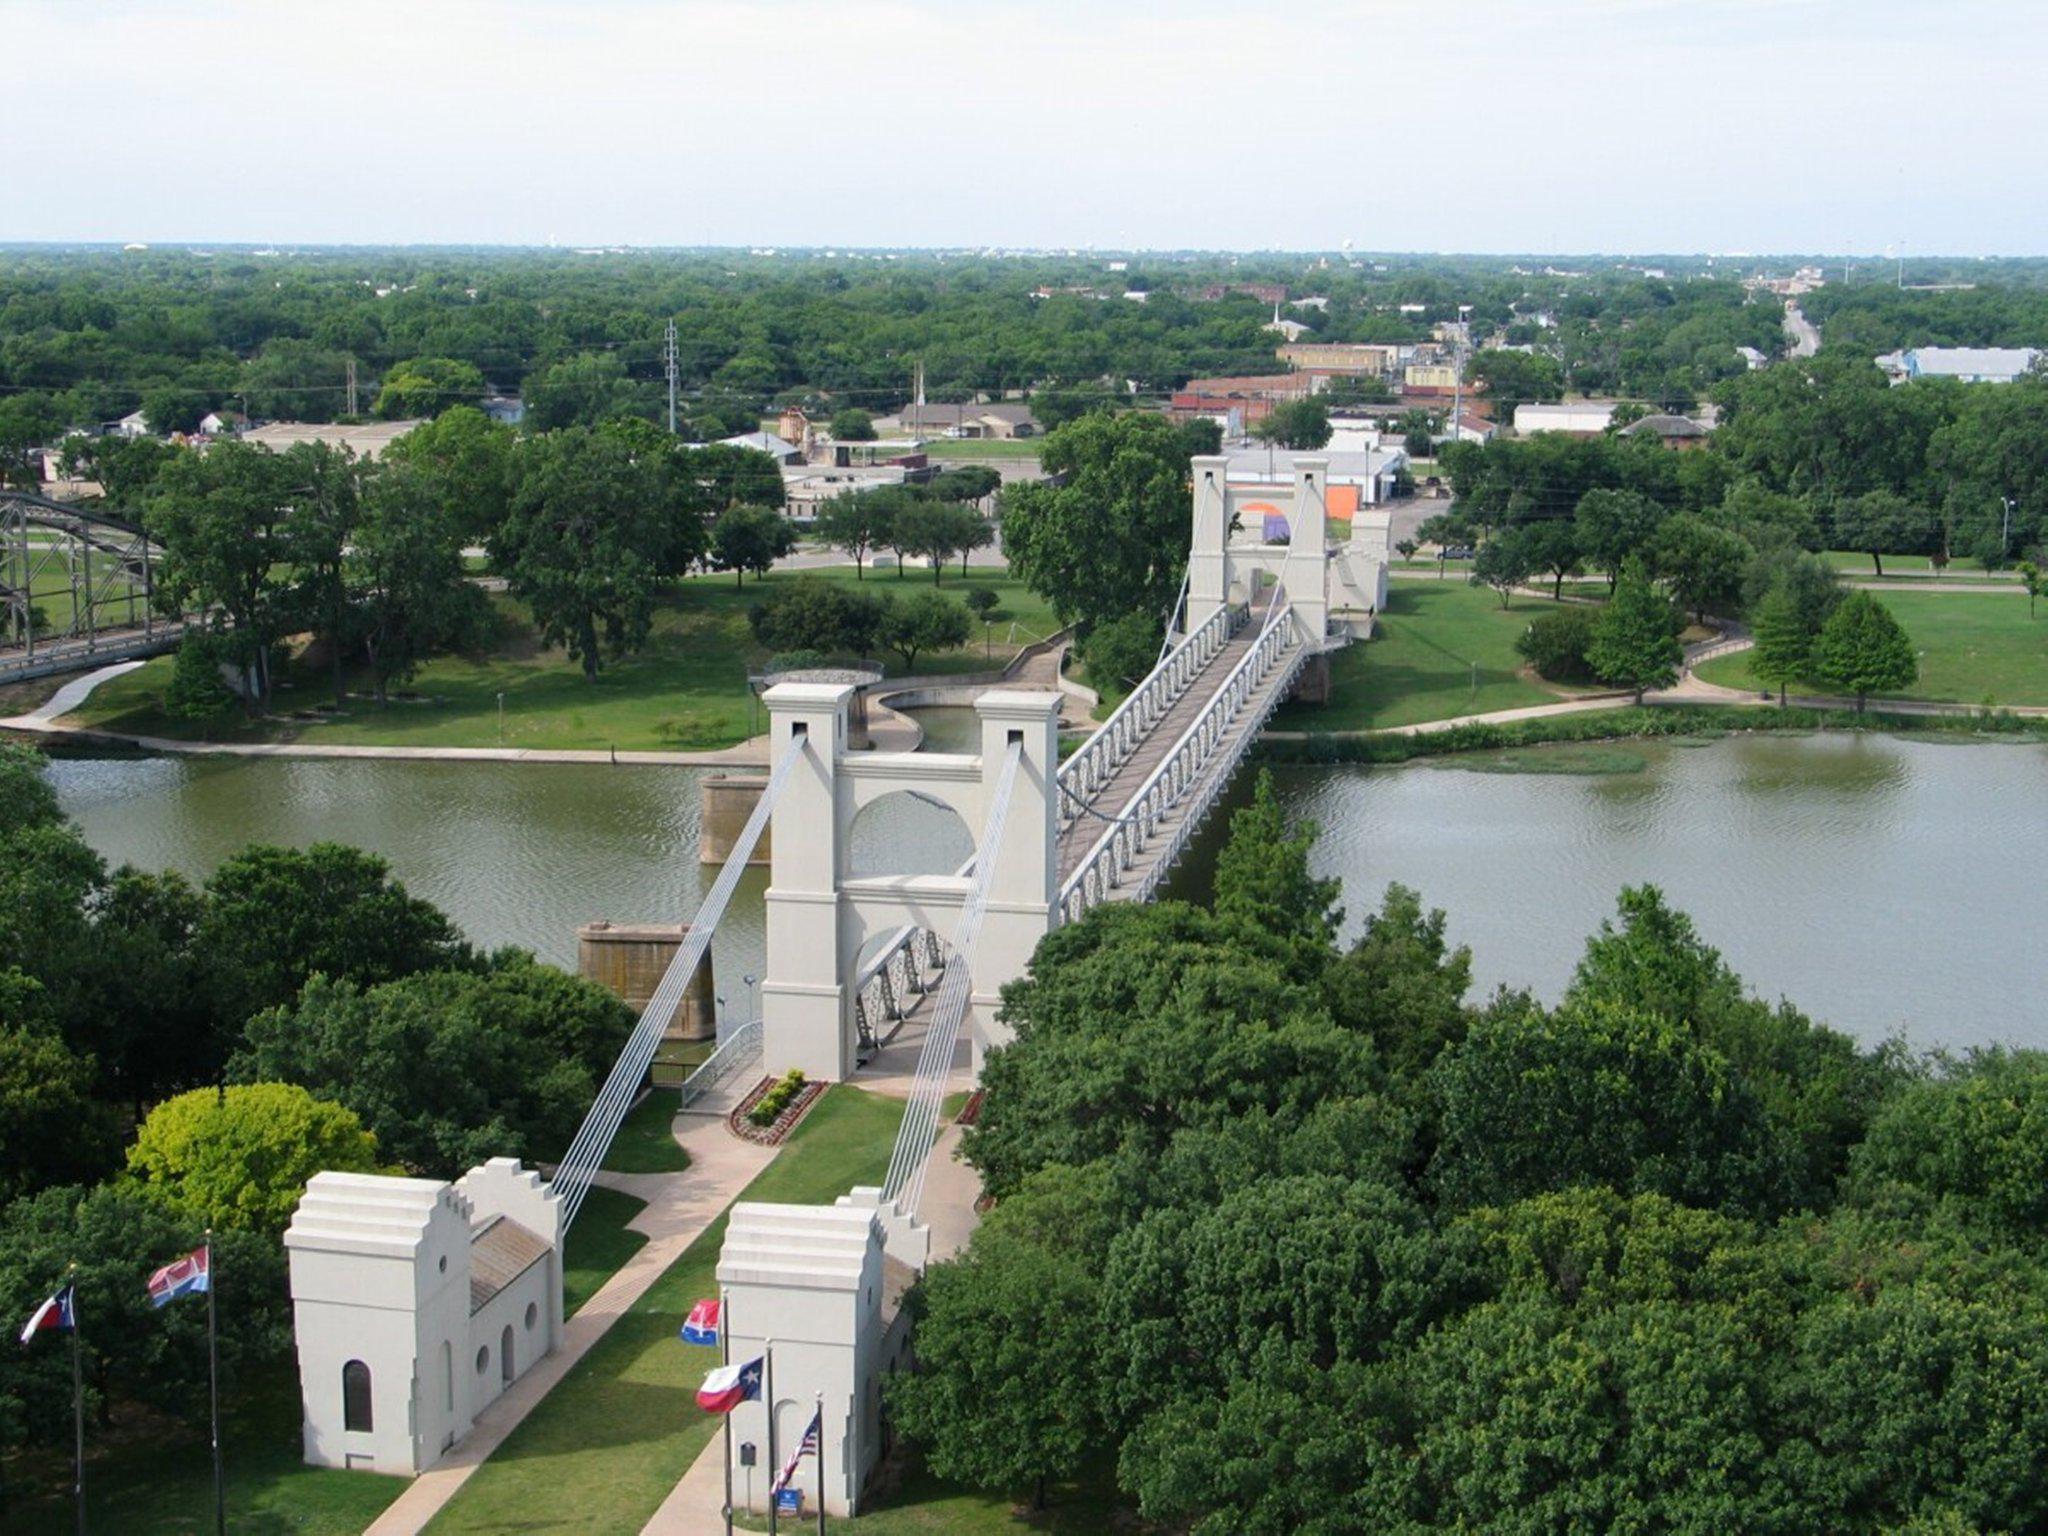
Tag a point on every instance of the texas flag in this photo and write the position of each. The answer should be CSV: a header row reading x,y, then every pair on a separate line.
x,y
57,1315
701,1326
190,1276
729,1386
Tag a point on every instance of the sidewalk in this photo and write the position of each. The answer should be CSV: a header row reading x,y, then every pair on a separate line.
x,y
680,1206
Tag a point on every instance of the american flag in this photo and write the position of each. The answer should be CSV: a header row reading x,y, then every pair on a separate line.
x,y
808,1446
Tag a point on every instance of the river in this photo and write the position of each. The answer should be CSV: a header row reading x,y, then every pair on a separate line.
x,y
1882,884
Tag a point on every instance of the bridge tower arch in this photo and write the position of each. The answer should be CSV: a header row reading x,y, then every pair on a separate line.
x,y
819,914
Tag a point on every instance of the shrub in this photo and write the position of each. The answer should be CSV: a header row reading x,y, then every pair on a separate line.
x,y
982,602
772,1103
196,691
1555,644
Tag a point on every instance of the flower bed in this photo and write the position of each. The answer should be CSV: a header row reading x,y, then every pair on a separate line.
x,y
774,1108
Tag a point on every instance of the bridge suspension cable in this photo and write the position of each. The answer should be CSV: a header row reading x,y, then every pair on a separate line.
x,y
594,1137
904,1182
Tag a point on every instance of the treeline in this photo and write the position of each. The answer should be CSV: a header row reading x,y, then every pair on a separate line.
x,y
87,337
1295,1239
175,1057
368,557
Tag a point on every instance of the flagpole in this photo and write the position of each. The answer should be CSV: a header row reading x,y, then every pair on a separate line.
x,y
821,1464
77,1407
725,1358
768,1397
220,1494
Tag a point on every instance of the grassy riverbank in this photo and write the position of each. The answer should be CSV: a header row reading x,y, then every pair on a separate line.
x,y
1974,648
1646,723
686,690
1444,648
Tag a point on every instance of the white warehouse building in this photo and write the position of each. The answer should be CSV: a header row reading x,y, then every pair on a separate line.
x,y
416,1303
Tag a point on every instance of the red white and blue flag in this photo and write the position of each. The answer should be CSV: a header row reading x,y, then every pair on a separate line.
x,y
57,1315
808,1446
730,1385
190,1276
701,1326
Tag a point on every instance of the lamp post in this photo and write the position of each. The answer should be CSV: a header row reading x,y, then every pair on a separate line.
x,y
753,1009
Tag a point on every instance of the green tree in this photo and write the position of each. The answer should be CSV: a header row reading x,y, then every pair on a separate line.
x,y
856,523
580,541
2035,583
463,463
1111,536
1263,877
813,615
1973,1134
448,1068
935,530
1598,1092
276,916
853,425
1555,643
220,518
1879,523
196,691
1120,653
922,623
1515,378
240,1157
580,390
1503,564
1402,984
1703,563
404,574
750,539
1863,649
291,379
1783,652
1297,424
326,508
51,1129
1008,1353
1615,527
427,386
1635,639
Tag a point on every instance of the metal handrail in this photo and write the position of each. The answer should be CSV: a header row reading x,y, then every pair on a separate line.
x,y
741,1044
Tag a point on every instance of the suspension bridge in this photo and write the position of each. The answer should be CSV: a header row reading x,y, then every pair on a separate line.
x,y
855,962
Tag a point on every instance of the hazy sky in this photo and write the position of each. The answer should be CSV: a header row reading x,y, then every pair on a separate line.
x,y
1479,125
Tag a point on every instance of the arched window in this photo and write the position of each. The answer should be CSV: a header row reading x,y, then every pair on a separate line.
x,y
356,1415
505,1354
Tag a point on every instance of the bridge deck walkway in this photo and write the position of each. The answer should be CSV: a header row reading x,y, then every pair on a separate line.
x,y
1110,801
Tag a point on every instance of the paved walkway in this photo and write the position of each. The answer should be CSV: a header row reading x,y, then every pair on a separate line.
x,y
680,1206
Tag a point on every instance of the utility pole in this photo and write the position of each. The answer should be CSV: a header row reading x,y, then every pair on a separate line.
x,y
351,386
669,359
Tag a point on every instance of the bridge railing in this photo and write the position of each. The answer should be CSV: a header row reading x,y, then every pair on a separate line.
x,y
741,1045
894,979
1097,759
1192,759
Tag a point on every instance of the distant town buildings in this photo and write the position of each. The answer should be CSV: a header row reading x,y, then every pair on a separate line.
x,y
1001,420
1971,365
1584,418
366,440
1672,431
1378,359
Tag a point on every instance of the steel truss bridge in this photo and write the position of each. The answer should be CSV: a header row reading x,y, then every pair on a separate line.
x,y
75,589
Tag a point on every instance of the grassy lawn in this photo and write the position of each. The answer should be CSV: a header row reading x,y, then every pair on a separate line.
x,y
155,1479
685,691
1972,648
1443,649
646,1142
1856,563
606,1446
599,1244
955,449
922,1503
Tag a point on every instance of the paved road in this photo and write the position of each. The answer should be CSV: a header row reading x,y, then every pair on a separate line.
x,y
1804,334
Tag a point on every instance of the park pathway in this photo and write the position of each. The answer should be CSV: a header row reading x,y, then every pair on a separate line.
x,y
679,1207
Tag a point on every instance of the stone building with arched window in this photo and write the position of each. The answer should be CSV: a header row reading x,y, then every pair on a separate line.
x,y
416,1303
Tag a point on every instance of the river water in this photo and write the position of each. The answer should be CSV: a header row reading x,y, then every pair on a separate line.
x,y
1882,884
